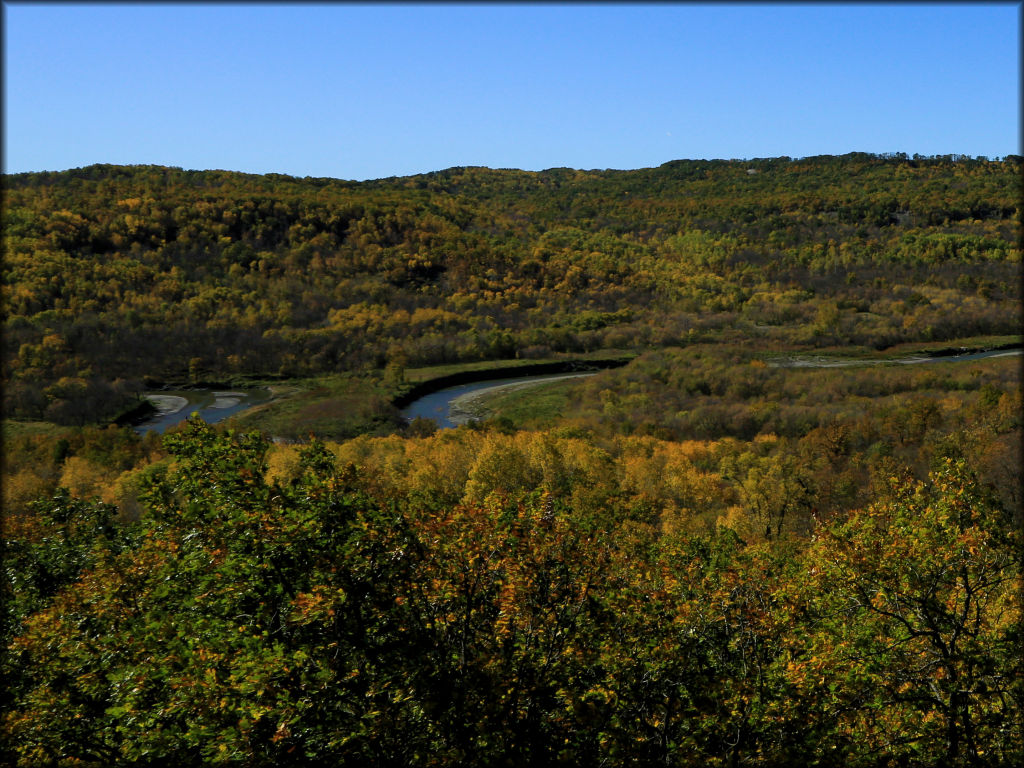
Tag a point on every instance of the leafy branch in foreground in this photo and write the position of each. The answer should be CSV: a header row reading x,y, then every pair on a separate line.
x,y
312,620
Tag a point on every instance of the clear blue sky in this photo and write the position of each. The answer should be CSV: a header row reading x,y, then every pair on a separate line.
x,y
361,91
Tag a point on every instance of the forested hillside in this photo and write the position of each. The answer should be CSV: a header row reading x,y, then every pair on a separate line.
x,y
765,540
115,274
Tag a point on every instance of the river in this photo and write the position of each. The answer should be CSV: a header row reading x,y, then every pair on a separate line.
x,y
800,361
174,406
460,404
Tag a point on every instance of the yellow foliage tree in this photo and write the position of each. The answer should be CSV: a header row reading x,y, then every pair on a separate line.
x,y
84,478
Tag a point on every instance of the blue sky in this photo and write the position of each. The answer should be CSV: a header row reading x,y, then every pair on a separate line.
x,y
362,91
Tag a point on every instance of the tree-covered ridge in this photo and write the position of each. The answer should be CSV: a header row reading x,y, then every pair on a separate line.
x,y
115,273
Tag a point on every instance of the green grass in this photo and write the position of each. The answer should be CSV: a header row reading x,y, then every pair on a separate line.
x,y
16,429
341,406
333,407
535,407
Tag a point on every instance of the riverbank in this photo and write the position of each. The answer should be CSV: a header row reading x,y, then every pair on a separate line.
x,y
949,355
472,405
341,406
169,408
471,376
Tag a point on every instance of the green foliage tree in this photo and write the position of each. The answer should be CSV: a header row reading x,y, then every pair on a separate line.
x,y
914,648
323,618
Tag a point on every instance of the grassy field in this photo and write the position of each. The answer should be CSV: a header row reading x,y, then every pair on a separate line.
x,y
16,429
341,406
337,407
541,406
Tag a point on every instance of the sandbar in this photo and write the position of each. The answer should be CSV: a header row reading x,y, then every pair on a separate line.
x,y
167,404
226,399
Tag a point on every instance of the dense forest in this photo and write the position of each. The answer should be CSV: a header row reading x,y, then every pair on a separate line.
x,y
707,556
115,275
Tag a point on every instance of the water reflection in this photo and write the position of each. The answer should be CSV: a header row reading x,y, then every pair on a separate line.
x,y
212,405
